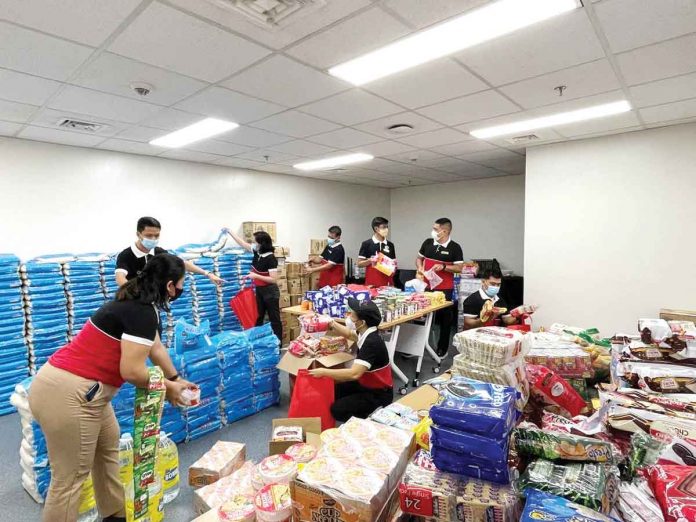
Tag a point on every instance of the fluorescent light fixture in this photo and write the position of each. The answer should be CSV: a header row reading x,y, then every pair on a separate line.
x,y
554,120
480,25
195,132
336,161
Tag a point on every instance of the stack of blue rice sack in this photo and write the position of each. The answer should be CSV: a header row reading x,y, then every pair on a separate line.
x,y
265,355
124,405
228,267
182,308
173,421
471,429
46,309
108,277
14,364
199,364
83,288
33,455
205,296
236,390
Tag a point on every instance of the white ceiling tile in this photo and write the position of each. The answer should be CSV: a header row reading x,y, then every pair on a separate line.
x,y
295,124
474,107
39,54
50,118
610,123
269,156
384,148
427,84
278,169
302,148
670,112
23,88
414,157
659,61
464,147
482,172
422,13
380,126
544,135
219,102
615,131
171,119
190,155
16,112
633,23
239,163
222,148
562,41
450,165
9,129
345,138
85,22
141,134
115,74
300,84
349,39
581,80
168,38
132,147
434,138
351,107
252,137
664,91
59,136
492,157
101,105
441,177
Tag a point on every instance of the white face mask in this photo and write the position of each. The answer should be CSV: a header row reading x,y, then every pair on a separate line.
x,y
435,235
350,324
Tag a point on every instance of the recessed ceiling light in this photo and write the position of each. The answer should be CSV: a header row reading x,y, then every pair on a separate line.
x,y
488,22
553,120
400,128
196,132
336,161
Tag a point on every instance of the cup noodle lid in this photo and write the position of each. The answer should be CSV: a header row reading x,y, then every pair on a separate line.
x,y
278,468
273,503
238,509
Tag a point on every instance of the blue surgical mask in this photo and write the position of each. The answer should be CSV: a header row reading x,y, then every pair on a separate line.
x,y
332,241
492,291
149,243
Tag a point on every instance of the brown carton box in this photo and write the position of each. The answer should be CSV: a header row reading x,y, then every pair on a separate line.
x,y
249,227
317,246
294,286
311,426
296,299
294,270
284,301
677,315
219,461
292,365
294,332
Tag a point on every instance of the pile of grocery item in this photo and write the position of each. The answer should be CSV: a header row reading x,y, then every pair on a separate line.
x,y
333,301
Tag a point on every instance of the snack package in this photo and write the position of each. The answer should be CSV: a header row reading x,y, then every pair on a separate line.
x,y
329,435
632,420
492,346
475,467
385,264
552,508
488,310
580,425
667,429
314,323
422,431
434,280
644,451
572,362
636,502
288,433
554,390
216,494
675,490
219,461
679,405
529,440
664,353
679,452
590,484
662,378
512,375
475,448
476,407
329,344
654,331
416,285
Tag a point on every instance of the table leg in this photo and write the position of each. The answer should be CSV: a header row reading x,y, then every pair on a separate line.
x,y
391,348
428,348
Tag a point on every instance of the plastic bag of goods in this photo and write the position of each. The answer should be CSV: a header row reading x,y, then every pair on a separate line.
x,y
492,346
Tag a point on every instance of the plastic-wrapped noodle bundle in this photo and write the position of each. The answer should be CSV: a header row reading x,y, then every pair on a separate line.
x,y
236,390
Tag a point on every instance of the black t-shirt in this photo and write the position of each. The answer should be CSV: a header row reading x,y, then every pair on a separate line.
x,y
264,263
334,254
132,260
449,253
474,303
130,320
370,248
374,352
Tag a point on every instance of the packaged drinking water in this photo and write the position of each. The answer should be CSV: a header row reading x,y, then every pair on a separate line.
x,y
125,459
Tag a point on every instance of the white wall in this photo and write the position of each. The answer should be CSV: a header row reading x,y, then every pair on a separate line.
x,y
487,216
609,228
56,198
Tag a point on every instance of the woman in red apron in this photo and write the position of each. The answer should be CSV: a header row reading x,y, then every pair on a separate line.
x,y
371,249
331,262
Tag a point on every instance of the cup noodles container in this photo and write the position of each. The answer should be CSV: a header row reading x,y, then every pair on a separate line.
x,y
273,503
278,469
239,508
191,396
302,453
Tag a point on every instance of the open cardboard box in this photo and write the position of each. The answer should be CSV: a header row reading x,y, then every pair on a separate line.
x,y
422,398
311,426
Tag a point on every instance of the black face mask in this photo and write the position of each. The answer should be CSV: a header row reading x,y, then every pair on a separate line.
x,y
177,294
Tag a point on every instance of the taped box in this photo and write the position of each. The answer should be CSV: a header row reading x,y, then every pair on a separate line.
x,y
317,246
249,227
219,461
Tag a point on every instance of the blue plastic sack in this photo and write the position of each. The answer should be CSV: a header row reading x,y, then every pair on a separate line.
x,y
189,337
551,508
239,409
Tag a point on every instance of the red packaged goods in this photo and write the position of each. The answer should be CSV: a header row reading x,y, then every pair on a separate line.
x,y
314,323
554,390
675,490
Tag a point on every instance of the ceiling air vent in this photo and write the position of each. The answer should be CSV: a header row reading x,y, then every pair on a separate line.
x,y
271,14
83,126
519,140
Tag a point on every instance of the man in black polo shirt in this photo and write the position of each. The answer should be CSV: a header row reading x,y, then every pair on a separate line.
x,y
331,263
368,384
371,248
134,258
443,257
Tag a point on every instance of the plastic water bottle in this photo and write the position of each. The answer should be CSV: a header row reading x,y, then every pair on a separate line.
x,y
125,459
167,465
87,512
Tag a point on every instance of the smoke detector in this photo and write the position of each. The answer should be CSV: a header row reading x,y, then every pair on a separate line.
x,y
271,14
82,126
517,140
400,128
141,89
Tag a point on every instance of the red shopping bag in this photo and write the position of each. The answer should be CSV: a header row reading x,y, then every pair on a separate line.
x,y
312,397
244,306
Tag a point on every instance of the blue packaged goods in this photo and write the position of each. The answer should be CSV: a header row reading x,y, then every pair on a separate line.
x,y
239,409
454,462
551,508
188,336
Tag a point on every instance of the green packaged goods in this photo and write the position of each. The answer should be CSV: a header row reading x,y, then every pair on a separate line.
x,y
531,441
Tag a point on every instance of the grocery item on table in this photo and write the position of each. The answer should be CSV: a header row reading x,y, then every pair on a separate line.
x,y
257,481
553,508
359,483
512,375
580,425
238,508
632,420
304,346
367,431
378,458
471,466
675,490
666,430
396,415
530,441
340,448
639,351
551,389
590,484
301,453
288,433
637,503
219,461
672,405
278,469
654,331
319,471
662,378
416,285
644,451
569,362
492,345
422,433
677,451
214,495
273,503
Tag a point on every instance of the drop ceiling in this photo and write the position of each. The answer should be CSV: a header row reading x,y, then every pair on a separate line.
x,y
73,59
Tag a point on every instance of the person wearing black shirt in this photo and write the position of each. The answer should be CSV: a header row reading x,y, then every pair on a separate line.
x,y
371,248
264,274
330,264
133,259
368,384
443,257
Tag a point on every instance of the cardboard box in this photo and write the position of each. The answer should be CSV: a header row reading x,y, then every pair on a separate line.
x,y
311,426
294,332
219,461
305,284
281,252
294,270
317,246
295,286
292,365
677,315
283,286
296,299
284,301
249,227
213,495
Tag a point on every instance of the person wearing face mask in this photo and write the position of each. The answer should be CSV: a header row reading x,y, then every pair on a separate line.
x,y
330,264
369,250
368,384
264,276
134,258
443,257
491,280
70,397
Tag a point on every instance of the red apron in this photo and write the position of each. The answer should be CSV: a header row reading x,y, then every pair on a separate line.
x,y
332,277
374,277
447,277
258,282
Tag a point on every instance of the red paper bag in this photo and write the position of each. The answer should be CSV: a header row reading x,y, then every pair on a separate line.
x,y
313,397
244,307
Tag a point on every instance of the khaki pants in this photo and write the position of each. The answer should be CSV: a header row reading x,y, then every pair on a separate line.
x,y
81,437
